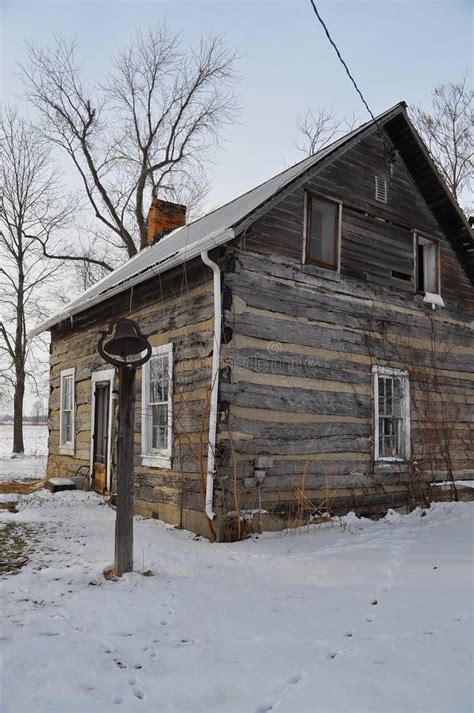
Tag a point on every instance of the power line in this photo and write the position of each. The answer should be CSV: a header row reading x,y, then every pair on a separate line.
x,y
344,64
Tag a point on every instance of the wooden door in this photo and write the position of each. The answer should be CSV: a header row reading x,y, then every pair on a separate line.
x,y
101,431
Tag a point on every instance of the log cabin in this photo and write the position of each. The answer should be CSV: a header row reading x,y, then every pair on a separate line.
x,y
311,342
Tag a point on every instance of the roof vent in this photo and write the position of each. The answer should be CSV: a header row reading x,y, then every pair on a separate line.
x,y
380,189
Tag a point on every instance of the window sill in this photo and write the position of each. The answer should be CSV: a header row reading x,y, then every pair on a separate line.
x,y
66,450
156,461
429,298
388,460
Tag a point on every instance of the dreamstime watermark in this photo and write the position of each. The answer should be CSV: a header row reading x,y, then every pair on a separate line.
x,y
273,360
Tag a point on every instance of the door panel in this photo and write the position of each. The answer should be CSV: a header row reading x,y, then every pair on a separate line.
x,y
101,429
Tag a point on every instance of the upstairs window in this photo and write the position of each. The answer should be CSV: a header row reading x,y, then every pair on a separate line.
x,y
323,231
426,265
157,386
66,414
380,189
391,414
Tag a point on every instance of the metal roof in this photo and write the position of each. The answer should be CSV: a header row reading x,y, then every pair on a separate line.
x,y
217,227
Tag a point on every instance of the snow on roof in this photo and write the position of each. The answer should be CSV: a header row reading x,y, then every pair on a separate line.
x,y
187,242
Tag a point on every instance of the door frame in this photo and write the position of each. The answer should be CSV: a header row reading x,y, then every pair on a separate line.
x,y
100,377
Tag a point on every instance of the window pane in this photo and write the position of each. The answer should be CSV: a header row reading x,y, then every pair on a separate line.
x,y
420,277
323,231
67,427
427,280
158,387
390,416
397,398
159,426
67,392
430,267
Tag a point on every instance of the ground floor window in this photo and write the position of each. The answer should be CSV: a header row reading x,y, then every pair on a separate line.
x,y
391,414
66,414
157,387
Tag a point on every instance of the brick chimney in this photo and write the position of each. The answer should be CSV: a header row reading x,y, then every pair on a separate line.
x,y
163,217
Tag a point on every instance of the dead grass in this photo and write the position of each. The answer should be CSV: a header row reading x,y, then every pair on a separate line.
x,y
23,487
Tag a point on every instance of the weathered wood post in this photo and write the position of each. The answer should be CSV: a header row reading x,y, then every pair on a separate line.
x,y
124,519
124,346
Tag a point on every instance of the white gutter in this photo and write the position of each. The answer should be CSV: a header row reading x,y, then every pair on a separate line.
x,y
211,449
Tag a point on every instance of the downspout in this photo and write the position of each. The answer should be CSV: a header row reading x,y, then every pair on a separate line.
x,y
211,449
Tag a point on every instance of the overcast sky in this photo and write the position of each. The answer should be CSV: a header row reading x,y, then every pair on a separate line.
x,y
396,50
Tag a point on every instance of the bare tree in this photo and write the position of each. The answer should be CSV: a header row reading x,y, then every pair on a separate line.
x,y
317,128
5,392
30,210
38,411
147,128
448,133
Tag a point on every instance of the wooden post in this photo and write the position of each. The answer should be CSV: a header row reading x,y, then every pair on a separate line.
x,y
124,518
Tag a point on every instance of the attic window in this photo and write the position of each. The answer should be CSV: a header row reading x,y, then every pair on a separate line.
x,y
323,231
380,189
427,265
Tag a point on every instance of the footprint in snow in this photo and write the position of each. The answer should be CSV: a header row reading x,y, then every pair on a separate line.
x,y
138,693
282,693
295,679
120,664
118,700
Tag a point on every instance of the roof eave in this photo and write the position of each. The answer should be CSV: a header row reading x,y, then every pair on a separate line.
x,y
180,257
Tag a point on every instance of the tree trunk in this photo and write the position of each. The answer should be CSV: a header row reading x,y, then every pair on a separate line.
x,y
18,445
124,519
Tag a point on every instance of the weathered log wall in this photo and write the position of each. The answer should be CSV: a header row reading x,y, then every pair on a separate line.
x,y
177,308
301,342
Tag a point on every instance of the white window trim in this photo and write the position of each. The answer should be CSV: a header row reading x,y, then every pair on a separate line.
x,y
159,458
68,447
388,371
330,199
97,377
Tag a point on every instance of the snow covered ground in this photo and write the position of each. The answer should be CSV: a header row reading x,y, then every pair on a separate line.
x,y
367,616
30,465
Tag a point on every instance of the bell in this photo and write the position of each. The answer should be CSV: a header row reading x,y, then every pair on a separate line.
x,y
126,339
